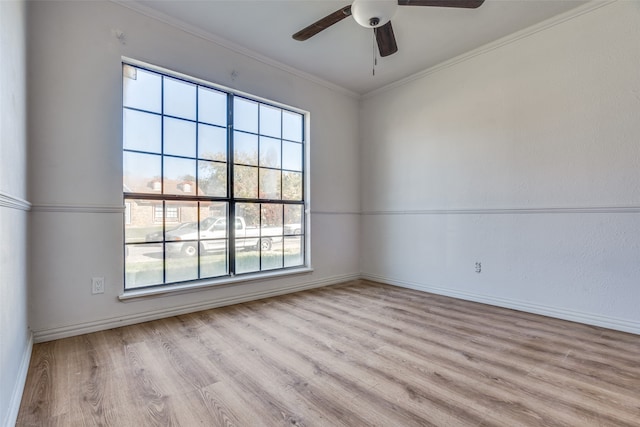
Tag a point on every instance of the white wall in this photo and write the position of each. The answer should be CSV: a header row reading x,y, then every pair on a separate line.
x,y
76,186
15,338
523,156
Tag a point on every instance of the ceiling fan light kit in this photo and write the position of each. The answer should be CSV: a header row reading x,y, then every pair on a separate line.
x,y
373,13
377,14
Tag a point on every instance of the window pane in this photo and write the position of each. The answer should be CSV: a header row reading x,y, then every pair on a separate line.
x,y
212,143
293,219
181,220
141,173
272,257
143,227
250,213
247,258
269,152
212,106
142,131
210,211
141,89
291,156
271,224
270,121
184,267
212,179
179,98
179,137
292,126
291,186
269,184
245,115
293,251
213,227
213,262
245,148
144,265
179,176
245,182
213,213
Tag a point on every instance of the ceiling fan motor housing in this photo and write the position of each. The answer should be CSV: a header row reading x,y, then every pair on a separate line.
x,y
373,13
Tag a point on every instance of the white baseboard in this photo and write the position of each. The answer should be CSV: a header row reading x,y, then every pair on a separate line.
x,y
103,324
18,389
564,314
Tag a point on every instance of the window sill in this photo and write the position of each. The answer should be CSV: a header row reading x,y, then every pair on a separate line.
x,y
208,284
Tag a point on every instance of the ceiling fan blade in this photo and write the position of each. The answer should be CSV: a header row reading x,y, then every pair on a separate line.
x,y
386,40
323,24
469,4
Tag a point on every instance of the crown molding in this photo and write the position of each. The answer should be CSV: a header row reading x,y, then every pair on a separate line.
x,y
497,44
213,38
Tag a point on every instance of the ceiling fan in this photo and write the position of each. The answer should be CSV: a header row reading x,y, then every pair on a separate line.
x,y
377,14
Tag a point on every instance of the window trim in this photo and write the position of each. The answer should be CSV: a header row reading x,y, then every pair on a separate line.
x,y
231,278
204,284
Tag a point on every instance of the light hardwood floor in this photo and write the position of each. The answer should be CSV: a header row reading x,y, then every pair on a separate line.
x,y
358,354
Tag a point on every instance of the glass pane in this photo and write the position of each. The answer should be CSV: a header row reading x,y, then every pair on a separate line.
x,y
212,106
292,126
212,143
247,232
143,225
141,173
270,121
179,98
141,131
143,265
179,176
213,228
141,89
179,137
181,220
245,115
185,266
271,253
270,184
269,152
271,224
213,213
291,156
293,251
212,179
247,258
245,148
250,214
293,220
245,182
213,262
291,186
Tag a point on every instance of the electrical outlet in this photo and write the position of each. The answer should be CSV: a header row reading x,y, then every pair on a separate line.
x,y
478,267
97,285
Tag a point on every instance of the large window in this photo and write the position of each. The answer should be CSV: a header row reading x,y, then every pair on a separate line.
x,y
197,159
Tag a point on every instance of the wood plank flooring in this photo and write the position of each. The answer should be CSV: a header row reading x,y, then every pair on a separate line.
x,y
357,354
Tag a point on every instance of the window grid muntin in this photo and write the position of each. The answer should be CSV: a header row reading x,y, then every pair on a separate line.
x,y
230,199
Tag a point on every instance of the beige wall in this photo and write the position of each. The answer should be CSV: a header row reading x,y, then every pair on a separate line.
x,y
76,186
522,156
15,337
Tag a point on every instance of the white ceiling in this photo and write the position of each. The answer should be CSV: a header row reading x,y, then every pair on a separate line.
x,y
343,54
